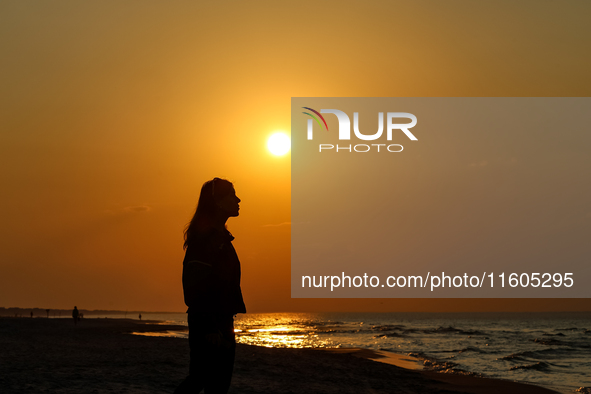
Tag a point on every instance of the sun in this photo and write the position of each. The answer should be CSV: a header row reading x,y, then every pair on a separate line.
x,y
279,144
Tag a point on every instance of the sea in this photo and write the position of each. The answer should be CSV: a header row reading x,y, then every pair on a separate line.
x,y
552,350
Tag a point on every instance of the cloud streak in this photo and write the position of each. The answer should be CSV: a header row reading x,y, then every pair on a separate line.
x,y
277,225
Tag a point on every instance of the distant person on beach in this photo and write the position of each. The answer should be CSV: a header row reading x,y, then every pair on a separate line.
x,y
211,286
75,315
140,316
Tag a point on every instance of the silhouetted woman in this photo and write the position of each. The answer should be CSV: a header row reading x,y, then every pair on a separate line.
x,y
211,285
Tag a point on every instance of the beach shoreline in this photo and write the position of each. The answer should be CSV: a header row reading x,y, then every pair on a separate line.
x,y
472,383
99,355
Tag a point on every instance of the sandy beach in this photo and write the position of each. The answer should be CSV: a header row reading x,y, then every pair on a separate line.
x,y
42,355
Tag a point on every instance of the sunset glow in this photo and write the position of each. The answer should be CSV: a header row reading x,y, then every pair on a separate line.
x,y
115,113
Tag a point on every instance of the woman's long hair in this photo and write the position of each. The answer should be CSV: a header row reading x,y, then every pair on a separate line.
x,y
211,192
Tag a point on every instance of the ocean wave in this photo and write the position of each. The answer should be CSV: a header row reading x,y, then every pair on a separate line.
x,y
548,342
513,357
388,327
433,364
526,356
390,335
539,366
450,329
471,349
465,350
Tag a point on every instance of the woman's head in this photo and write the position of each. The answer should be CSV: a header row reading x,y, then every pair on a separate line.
x,y
217,202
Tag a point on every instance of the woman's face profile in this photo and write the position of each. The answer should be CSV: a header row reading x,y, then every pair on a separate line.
x,y
230,203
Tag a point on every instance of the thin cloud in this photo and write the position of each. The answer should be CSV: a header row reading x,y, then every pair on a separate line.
x,y
129,210
481,163
138,208
277,225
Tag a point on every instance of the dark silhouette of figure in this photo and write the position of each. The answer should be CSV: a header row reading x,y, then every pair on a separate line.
x,y
140,316
211,286
31,314
47,310
76,315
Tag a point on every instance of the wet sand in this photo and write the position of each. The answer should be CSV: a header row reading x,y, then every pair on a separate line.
x,y
99,356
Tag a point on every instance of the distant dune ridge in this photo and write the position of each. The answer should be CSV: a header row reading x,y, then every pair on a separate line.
x,y
98,355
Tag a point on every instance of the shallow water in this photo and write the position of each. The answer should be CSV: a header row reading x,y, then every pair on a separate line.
x,y
548,349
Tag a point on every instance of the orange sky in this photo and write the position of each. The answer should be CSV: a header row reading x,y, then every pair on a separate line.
x,y
114,113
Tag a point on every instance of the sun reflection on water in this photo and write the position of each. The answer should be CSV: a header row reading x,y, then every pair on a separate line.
x,y
279,330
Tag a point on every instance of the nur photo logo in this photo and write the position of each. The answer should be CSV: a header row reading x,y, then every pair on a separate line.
x,y
345,130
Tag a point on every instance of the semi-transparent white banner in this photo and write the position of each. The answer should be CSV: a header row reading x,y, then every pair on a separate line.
x,y
441,197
